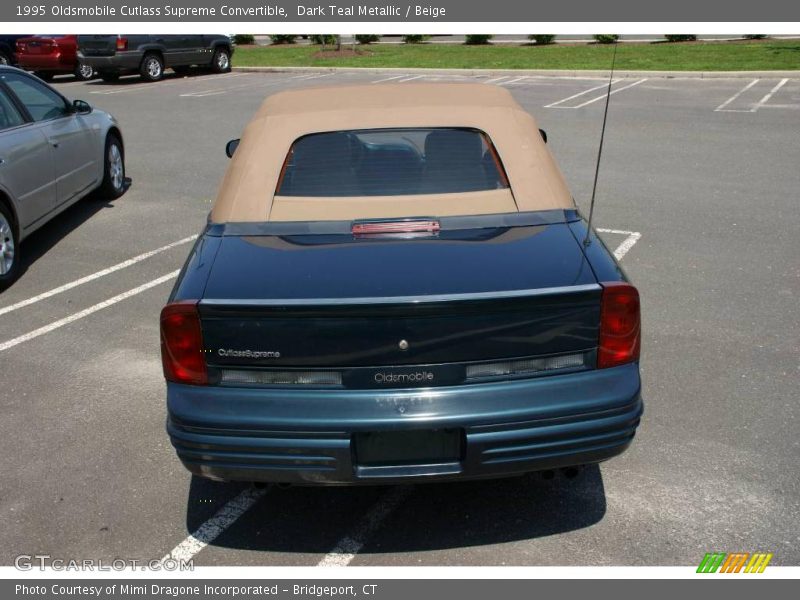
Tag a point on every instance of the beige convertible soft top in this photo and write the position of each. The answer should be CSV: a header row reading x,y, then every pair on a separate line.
x,y
247,192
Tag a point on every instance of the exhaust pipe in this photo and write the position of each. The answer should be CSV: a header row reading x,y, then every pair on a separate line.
x,y
571,472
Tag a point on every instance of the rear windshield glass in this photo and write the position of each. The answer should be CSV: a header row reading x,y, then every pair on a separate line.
x,y
391,162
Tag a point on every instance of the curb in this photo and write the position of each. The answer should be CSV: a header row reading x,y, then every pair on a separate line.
x,y
570,73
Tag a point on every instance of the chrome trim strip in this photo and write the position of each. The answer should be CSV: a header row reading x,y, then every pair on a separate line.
x,y
531,293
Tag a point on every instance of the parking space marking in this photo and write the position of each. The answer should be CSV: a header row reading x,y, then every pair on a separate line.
x,y
350,545
627,244
496,79
611,93
721,107
512,81
102,273
211,529
164,83
769,95
312,75
412,78
388,78
224,90
567,99
86,312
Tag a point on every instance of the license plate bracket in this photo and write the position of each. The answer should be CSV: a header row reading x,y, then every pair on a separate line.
x,y
414,447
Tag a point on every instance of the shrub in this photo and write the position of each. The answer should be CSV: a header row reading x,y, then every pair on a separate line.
x,y
681,38
415,39
282,39
754,36
367,39
605,38
542,40
241,39
478,40
328,38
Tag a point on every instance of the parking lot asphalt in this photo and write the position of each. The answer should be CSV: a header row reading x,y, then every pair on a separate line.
x,y
704,171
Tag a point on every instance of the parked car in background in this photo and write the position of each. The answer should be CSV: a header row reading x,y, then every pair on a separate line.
x,y
8,48
53,152
395,285
149,55
52,55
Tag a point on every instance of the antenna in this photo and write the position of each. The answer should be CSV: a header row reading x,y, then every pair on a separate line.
x,y
586,242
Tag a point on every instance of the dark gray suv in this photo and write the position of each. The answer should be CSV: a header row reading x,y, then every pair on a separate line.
x,y
148,55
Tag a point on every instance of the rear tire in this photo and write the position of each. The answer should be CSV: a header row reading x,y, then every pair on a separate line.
x,y
9,249
221,62
84,72
113,185
5,59
152,67
109,77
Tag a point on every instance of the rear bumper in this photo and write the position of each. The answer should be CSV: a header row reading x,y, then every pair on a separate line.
x,y
47,62
118,63
305,437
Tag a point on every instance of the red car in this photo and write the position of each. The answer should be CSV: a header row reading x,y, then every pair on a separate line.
x,y
50,55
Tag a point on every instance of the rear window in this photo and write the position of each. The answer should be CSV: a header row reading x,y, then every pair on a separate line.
x,y
391,162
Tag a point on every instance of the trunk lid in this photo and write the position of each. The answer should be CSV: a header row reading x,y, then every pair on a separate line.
x,y
36,45
461,296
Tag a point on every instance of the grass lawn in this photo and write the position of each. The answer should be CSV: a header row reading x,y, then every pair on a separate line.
x,y
687,56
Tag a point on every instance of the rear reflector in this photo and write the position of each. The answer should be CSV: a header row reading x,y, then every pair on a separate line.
x,y
395,227
620,325
242,377
182,344
530,366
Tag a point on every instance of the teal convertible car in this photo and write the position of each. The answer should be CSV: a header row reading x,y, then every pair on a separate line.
x,y
395,285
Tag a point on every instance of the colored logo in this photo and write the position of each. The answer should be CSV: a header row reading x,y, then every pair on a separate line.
x,y
736,562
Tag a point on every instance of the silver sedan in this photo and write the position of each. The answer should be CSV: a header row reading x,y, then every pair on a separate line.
x,y
53,152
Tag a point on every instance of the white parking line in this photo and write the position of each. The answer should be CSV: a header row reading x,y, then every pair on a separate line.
x,y
388,79
412,78
769,95
86,312
311,75
555,104
496,79
721,107
350,545
142,87
614,91
102,273
211,529
512,81
224,90
627,244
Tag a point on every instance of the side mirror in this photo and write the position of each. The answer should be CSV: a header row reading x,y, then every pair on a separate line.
x,y
543,133
230,147
81,107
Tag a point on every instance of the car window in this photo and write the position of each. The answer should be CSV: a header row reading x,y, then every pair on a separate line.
x,y
42,102
391,162
9,115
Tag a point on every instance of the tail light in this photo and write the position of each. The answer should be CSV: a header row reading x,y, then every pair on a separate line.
x,y
182,344
122,43
620,325
20,46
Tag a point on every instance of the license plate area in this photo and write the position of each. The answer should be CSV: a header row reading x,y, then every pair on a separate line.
x,y
404,448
